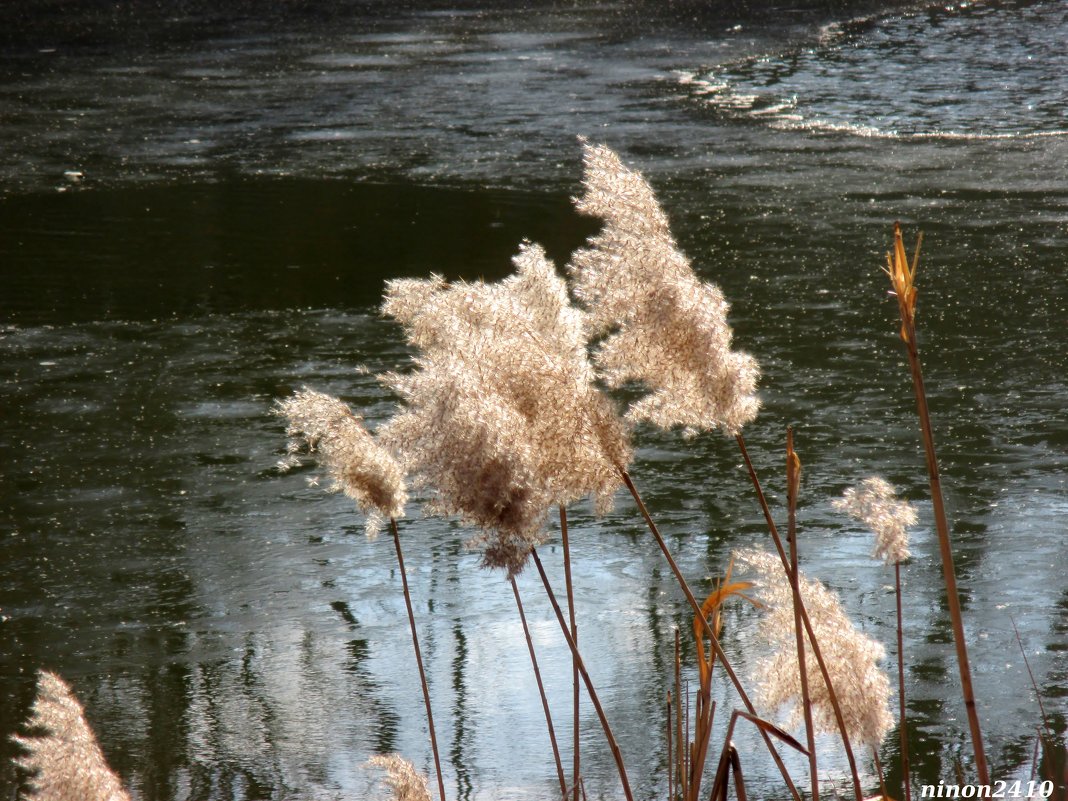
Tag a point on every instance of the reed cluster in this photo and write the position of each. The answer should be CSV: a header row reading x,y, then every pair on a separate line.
x,y
505,415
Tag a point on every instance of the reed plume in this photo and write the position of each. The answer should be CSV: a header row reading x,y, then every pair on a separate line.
x,y
64,756
357,465
663,327
366,472
874,503
405,783
862,688
501,416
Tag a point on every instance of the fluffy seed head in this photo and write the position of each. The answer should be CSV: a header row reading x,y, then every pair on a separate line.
x,y
875,504
665,328
473,451
405,783
356,464
852,659
502,417
65,756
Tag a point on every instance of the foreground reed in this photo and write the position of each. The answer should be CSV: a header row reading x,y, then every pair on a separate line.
x,y
62,755
875,504
903,279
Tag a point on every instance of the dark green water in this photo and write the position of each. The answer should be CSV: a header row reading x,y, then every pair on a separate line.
x,y
249,183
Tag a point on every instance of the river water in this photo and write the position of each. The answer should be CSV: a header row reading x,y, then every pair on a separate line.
x,y
199,207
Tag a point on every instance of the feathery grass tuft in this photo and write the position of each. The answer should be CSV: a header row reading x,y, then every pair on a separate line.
x,y
405,783
357,465
852,659
65,757
875,504
665,328
502,417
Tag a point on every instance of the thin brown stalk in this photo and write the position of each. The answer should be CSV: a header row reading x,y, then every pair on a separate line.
x,y
1048,738
736,771
574,635
700,748
793,486
670,754
906,779
902,276
680,579
688,751
719,784
418,657
541,691
1034,684
775,538
813,642
681,743
878,770
612,744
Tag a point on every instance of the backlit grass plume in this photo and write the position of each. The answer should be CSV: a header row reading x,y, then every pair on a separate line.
x,y
63,755
356,464
501,415
852,659
475,452
875,504
665,328
405,783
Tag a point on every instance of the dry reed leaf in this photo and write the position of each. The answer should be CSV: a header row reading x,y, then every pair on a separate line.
x,y
725,589
770,728
903,279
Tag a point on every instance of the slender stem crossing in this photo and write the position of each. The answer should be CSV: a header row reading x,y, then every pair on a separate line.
x,y
612,744
541,691
418,657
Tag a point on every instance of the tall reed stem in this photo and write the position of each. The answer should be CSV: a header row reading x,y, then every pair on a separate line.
x,y
681,580
569,587
670,751
612,744
902,276
680,742
418,657
816,651
879,771
793,486
541,691
902,726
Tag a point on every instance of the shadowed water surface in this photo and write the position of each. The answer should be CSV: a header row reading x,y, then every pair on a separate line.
x,y
246,185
